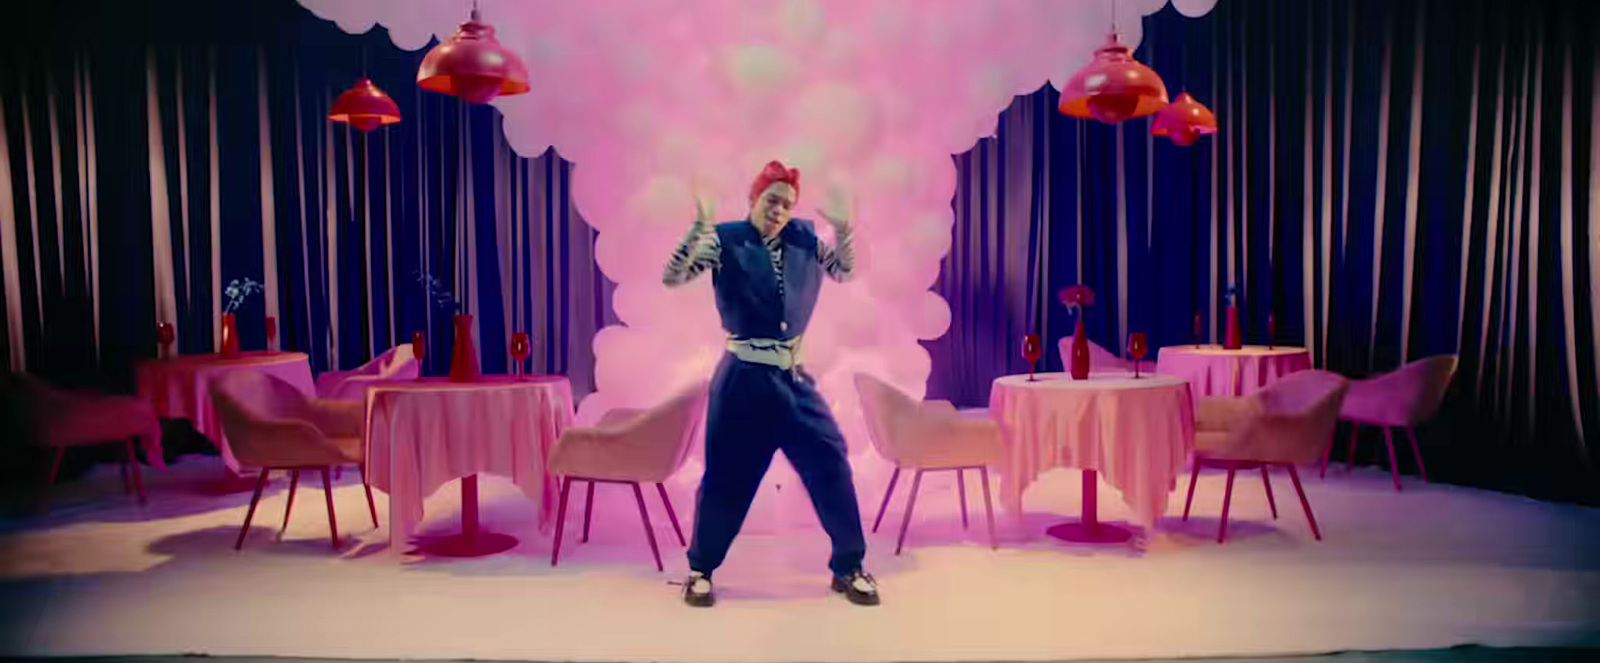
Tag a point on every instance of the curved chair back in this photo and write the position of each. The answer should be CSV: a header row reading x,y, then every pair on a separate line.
x,y
1298,416
264,420
883,406
1412,394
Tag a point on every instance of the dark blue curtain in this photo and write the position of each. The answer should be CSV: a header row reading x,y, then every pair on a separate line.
x,y
1391,181
354,218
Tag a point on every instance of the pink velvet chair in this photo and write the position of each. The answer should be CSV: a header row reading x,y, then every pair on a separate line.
x,y
629,447
62,419
928,437
1405,399
1285,424
272,426
396,363
1100,359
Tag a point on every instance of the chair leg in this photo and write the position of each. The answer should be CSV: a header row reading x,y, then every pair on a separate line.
x,y
1350,460
1417,452
1294,475
1394,467
333,523
893,479
988,507
1267,482
255,499
1227,497
588,510
671,515
1328,452
55,466
133,467
371,507
127,482
961,490
649,532
905,523
561,520
1194,475
294,482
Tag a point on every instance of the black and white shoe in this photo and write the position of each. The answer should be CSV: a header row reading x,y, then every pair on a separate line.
x,y
697,590
859,587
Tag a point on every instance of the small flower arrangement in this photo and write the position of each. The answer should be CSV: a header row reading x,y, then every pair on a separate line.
x,y
437,293
238,290
1076,296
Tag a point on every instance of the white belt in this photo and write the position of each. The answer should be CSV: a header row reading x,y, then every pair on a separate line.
x,y
781,353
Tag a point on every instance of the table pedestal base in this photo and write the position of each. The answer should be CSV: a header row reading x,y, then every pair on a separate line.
x,y
1090,529
461,545
1090,533
472,541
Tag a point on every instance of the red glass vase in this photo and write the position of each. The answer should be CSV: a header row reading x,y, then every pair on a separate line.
x,y
1234,339
230,335
464,359
1080,352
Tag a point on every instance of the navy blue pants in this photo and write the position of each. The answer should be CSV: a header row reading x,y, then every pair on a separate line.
x,y
756,410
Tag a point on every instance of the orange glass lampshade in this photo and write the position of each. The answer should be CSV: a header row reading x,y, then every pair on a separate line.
x,y
473,66
364,107
1113,87
1184,120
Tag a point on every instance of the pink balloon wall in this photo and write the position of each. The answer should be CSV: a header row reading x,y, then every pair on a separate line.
x,y
645,95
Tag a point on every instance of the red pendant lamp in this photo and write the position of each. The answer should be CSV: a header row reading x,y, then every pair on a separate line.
x,y
1113,87
1184,120
364,107
472,65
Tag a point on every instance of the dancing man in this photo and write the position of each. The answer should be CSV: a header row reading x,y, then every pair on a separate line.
x,y
766,272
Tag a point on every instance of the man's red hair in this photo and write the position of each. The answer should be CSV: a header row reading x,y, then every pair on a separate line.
x,y
773,173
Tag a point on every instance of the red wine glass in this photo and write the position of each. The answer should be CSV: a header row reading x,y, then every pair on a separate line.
x,y
166,334
1137,349
419,350
519,351
1031,351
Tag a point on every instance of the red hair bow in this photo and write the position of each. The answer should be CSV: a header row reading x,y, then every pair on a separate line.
x,y
773,173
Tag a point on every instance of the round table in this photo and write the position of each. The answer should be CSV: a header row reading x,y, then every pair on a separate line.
x,y
423,434
178,388
1214,371
1136,432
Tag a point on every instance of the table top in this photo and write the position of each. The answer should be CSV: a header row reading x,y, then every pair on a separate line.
x,y
1219,351
1098,381
482,383
254,358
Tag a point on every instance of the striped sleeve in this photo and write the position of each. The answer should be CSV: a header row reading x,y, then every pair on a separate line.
x,y
699,251
838,261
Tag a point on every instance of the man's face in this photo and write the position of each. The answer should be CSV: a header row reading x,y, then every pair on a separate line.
x,y
772,209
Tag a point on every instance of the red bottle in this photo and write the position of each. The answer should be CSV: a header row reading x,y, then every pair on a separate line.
x,y
1080,352
464,359
230,336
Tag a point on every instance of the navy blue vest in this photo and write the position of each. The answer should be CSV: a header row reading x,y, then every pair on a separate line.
x,y
747,288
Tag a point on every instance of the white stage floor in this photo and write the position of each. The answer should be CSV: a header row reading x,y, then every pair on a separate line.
x,y
1434,566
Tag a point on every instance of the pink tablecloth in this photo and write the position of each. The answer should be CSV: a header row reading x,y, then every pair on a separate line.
x,y
178,388
422,435
1213,371
1135,432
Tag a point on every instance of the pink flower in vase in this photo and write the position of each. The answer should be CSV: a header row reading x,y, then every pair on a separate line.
x,y
1076,296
